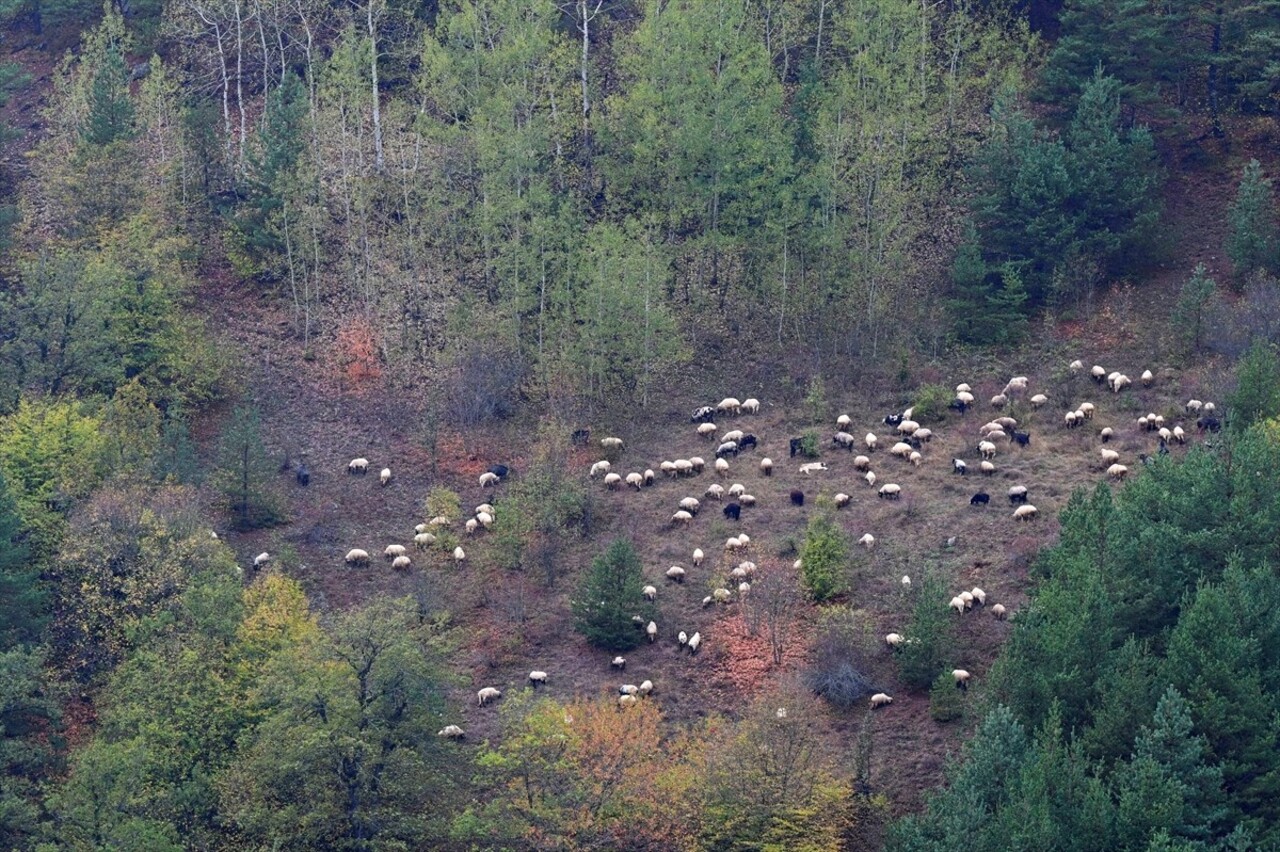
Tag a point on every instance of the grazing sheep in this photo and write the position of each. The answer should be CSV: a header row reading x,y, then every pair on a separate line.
x,y
424,540
261,559
580,437
890,491
599,468
650,592
842,500
809,468
987,468
737,489
359,466
862,463
646,686
844,421
1072,419
488,480
734,435
385,476
459,554
923,435
1017,384
1017,494
871,478
1193,406
892,419
393,550
485,518
751,406
675,572
962,678
900,449
999,401
721,595
880,700
732,511
627,700
967,597
871,441
452,732
1086,408
401,562
694,641
683,638
905,581
982,498
1076,366
681,517
908,427
998,611
979,596
1165,434
1119,383
1106,434
1022,439
766,466
797,497
868,541
690,505
744,588
730,404
1038,400
488,694
649,476
1109,457
357,557
996,435
651,630
1098,374
619,663
728,448
963,387
636,480
893,640
500,469
1147,378
958,466
707,430
844,439
1179,435
987,449
420,528
722,467
697,556
747,500
537,678
612,481
614,444
1117,471
957,603
714,491
1024,513
748,441
916,459
684,467
705,413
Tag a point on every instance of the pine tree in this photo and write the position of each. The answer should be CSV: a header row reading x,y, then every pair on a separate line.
x,y
929,635
23,600
609,597
1188,317
1257,394
1254,241
244,472
824,559
111,114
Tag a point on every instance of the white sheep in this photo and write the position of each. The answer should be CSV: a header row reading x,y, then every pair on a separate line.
x,y
967,597
987,449
439,521
1209,408
452,732
690,505
862,463
714,492
900,449
459,554
401,562
420,528
868,541
999,401
356,556
1038,400
1086,408
707,430
890,491
915,458
612,481
668,468
893,640
649,476
646,686
261,559
751,406
906,581
730,404
987,467
963,387
871,440
1147,378
871,478
627,700
360,465
965,398
651,630
722,466
844,421
766,466
488,479
600,467
681,517
733,543
737,489
619,663
880,699
393,550
1076,366
1098,373
424,540
1117,471
810,467
1165,434
1072,419
683,638
733,435
841,500
998,611
485,518
698,463
1016,385
675,572
1120,383
650,592
923,434
844,439
1105,433
1109,457
385,476
614,444
1179,435
684,467
908,427
979,596
694,641
1025,512
957,603
537,678
961,677
744,588
747,500
698,556
635,480
1193,406
488,694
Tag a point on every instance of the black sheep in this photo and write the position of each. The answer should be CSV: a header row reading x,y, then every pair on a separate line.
x,y
892,419
958,405
982,498
1022,438
500,470
580,437
1209,424
732,511
747,441
705,414
795,446
303,475
797,497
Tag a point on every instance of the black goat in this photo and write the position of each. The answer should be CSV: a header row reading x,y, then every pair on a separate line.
x,y
1022,438
747,441
795,446
982,498
958,405
733,511
1209,424
499,470
797,497
580,437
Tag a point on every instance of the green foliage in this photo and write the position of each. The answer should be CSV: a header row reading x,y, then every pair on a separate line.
x,y
608,597
815,401
810,444
110,115
1254,241
824,559
443,502
929,403
1189,314
946,703
929,635
29,718
541,512
243,475
1257,393
23,597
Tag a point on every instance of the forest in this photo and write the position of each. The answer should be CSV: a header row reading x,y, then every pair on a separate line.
x,y
288,286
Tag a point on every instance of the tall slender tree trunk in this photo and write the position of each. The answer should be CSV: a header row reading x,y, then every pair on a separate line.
x,y
371,22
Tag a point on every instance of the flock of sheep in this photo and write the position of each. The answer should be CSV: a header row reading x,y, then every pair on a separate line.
x,y
910,445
